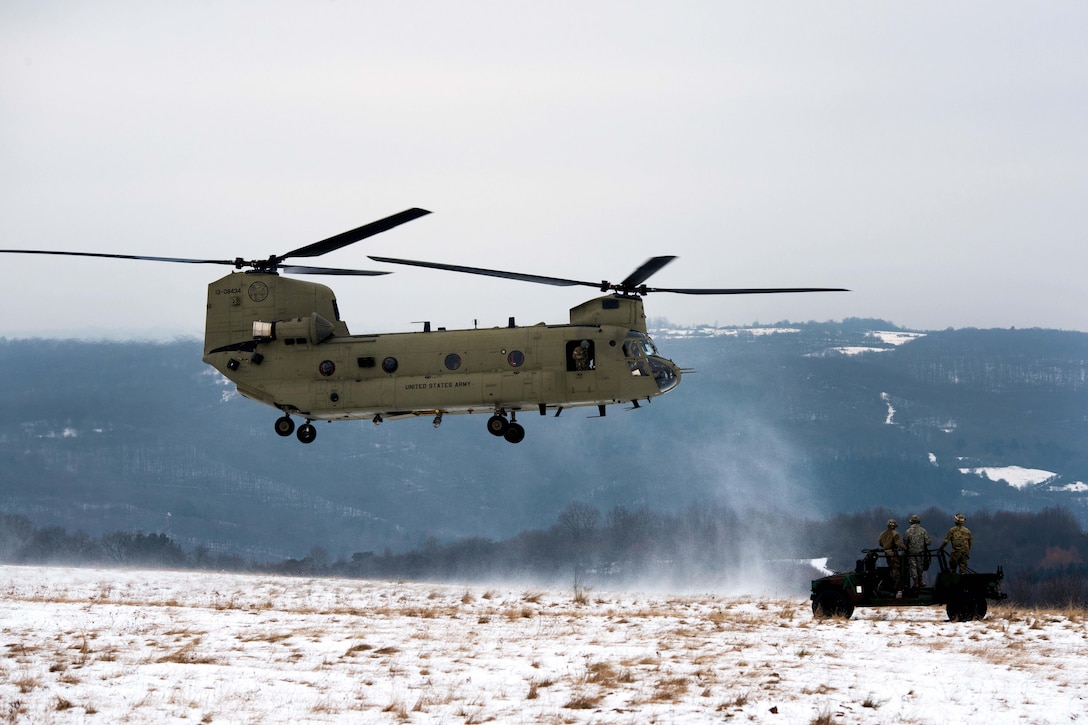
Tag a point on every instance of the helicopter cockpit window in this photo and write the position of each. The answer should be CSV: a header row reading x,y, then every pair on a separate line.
x,y
637,348
639,344
579,355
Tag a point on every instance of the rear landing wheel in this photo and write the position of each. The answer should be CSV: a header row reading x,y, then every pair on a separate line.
x,y
307,433
515,433
285,426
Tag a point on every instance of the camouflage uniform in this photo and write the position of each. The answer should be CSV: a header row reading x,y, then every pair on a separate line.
x,y
892,544
580,354
961,540
917,540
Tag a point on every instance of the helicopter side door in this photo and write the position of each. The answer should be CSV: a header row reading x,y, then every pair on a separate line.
x,y
581,365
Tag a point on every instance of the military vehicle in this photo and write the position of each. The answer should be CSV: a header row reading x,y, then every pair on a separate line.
x,y
283,343
870,584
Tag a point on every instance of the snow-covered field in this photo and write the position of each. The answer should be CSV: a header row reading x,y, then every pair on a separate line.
x,y
81,645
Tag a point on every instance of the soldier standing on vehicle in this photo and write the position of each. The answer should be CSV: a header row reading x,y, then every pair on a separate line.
x,y
892,543
961,540
917,541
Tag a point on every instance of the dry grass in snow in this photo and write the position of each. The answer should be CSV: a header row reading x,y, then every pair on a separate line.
x,y
187,647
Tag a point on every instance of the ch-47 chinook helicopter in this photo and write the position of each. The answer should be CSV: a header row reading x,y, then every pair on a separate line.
x,y
282,343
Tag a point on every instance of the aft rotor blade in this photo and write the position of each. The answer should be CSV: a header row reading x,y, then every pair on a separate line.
x,y
746,291
628,286
350,237
519,276
649,268
181,260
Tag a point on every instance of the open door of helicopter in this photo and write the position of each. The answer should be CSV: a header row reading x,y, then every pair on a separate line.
x,y
581,356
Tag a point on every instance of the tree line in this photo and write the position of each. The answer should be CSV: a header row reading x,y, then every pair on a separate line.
x,y
1043,553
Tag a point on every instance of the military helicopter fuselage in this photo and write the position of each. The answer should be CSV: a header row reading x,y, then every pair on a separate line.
x,y
282,343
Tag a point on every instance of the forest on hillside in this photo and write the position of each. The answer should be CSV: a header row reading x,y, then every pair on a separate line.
x,y
1043,554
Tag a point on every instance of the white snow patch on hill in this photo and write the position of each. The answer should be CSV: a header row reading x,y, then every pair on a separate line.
x,y
1015,476
894,337
1075,487
852,350
667,333
890,417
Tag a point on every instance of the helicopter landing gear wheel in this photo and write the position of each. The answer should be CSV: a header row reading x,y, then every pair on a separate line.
x,y
497,425
285,426
307,433
515,433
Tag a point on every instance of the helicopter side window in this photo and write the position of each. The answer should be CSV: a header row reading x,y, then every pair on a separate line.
x,y
579,355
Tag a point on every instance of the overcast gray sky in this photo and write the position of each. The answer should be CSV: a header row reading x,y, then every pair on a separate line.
x,y
930,156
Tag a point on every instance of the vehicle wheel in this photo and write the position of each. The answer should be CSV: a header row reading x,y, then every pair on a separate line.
x,y
515,433
497,425
307,433
952,609
832,604
285,426
965,607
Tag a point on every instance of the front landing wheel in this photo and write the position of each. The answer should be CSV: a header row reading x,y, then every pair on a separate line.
x,y
285,426
497,425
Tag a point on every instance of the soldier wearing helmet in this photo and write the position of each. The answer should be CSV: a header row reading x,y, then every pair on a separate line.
x,y
581,357
892,543
960,538
917,541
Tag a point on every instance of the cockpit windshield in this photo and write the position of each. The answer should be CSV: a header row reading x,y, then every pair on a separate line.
x,y
639,344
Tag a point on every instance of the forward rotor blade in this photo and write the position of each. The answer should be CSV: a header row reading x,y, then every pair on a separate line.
x,y
294,269
181,260
748,291
643,273
539,279
350,237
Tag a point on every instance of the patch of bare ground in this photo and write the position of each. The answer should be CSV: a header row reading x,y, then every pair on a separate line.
x,y
580,700
670,689
188,654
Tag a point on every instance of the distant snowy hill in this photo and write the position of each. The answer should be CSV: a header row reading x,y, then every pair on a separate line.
x,y
812,418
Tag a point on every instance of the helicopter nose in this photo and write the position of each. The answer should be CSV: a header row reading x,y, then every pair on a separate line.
x,y
665,373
